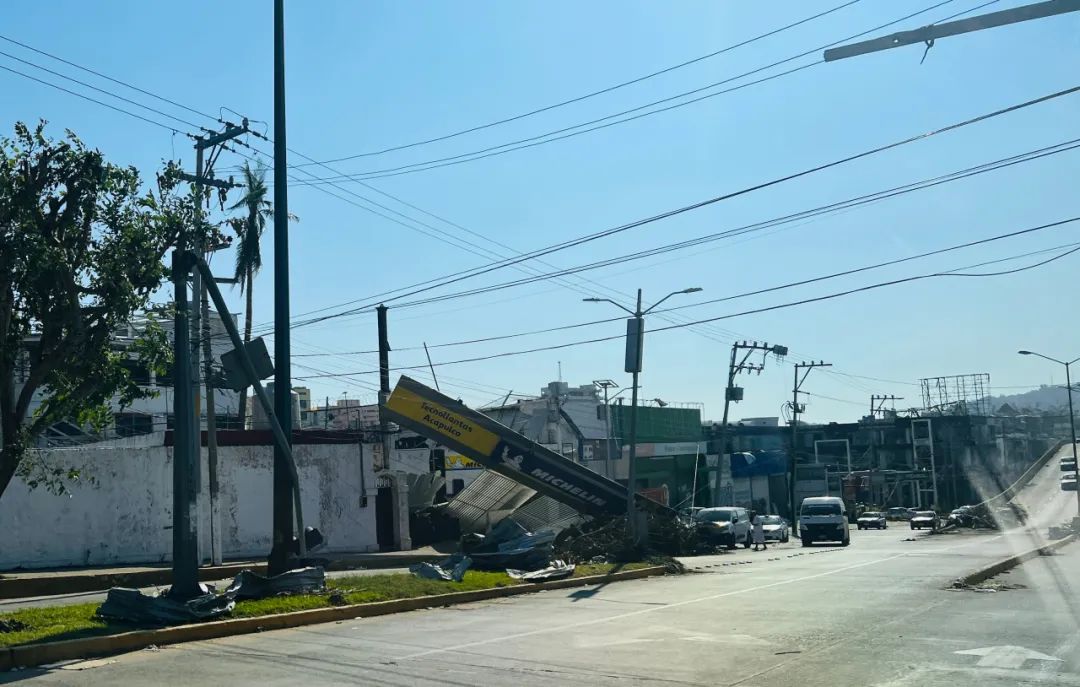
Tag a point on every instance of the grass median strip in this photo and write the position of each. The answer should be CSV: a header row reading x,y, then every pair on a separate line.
x,y
55,623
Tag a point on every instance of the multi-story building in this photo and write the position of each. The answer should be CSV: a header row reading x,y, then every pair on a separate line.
x,y
156,412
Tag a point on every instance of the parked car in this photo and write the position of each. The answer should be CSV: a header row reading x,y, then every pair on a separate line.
x,y
1068,481
823,518
727,526
776,528
924,519
898,513
1068,465
872,520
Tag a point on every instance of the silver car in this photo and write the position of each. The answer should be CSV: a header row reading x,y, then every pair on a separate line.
x,y
776,528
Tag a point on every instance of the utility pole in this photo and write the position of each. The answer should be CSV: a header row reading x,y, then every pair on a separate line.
x,y
185,562
876,407
928,34
279,559
735,393
200,325
795,410
635,338
607,384
384,381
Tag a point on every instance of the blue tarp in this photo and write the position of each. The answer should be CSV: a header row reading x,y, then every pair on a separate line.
x,y
758,463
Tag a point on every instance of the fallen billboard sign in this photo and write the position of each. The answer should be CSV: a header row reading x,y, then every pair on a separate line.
x,y
501,449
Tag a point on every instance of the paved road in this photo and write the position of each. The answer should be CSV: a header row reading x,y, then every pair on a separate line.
x,y
876,613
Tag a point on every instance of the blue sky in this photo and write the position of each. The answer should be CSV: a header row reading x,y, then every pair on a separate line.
x,y
363,76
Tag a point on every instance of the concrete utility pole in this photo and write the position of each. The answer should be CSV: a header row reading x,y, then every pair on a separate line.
x,y
384,381
734,393
1072,417
635,338
607,384
185,562
928,34
200,325
795,410
876,407
279,560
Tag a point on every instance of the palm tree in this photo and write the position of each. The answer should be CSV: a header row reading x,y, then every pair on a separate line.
x,y
249,229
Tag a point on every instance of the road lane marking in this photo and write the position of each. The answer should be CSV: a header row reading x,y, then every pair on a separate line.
x,y
1007,656
643,611
677,604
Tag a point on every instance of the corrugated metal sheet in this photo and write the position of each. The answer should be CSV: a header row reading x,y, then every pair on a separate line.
x,y
487,500
543,513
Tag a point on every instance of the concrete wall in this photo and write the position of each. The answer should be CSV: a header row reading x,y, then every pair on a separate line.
x,y
127,516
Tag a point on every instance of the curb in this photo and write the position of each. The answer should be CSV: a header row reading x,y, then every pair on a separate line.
x,y
50,585
29,655
994,569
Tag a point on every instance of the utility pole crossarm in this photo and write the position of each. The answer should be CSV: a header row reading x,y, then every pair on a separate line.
x,y
207,181
928,34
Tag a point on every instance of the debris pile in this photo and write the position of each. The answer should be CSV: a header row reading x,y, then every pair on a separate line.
x,y
450,570
132,605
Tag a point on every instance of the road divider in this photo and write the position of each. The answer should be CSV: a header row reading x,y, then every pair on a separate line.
x,y
994,569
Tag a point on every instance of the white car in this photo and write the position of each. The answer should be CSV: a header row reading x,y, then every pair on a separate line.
x,y
872,519
924,519
776,528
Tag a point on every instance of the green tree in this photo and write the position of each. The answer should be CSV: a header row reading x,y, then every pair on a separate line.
x,y
249,230
81,253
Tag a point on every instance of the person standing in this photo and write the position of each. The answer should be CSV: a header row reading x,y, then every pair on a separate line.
x,y
759,533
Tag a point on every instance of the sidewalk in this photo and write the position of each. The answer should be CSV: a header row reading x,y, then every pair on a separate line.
x,y
19,584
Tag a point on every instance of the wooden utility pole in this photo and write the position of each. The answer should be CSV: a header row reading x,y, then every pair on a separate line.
x,y
796,408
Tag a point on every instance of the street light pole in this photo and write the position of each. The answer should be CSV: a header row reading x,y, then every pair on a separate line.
x,y
635,338
1072,417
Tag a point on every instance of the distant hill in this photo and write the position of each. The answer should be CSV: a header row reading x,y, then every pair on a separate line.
x,y
1044,398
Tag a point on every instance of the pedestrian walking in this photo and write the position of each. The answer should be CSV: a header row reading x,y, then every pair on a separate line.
x,y
759,533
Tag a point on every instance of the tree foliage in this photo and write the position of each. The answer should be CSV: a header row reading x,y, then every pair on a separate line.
x,y
82,247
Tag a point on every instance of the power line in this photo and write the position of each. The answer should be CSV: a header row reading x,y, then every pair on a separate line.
x,y
803,282
559,134
951,273
107,78
593,94
94,100
467,274
101,90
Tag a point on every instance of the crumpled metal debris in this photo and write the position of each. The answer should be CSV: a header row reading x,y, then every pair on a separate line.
x,y
509,545
450,570
556,571
132,605
250,585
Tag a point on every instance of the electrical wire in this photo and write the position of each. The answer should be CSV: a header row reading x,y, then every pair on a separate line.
x,y
468,274
593,94
562,133
770,289
951,273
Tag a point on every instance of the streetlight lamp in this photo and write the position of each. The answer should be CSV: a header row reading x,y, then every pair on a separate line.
x,y
635,338
1072,420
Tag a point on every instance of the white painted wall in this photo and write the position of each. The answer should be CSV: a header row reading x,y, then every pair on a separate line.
x,y
127,517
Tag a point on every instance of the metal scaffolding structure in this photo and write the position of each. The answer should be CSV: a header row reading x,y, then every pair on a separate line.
x,y
957,394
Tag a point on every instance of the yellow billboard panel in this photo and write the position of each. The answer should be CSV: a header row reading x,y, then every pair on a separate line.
x,y
441,420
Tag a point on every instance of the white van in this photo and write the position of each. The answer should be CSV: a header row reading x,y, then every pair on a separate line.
x,y
823,518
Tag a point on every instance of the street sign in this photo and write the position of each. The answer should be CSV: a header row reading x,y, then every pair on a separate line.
x,y
501,449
